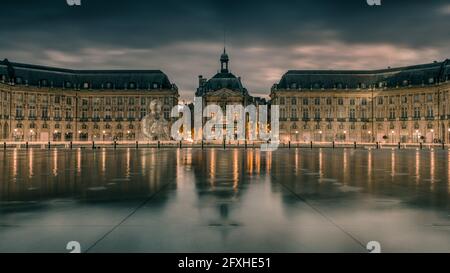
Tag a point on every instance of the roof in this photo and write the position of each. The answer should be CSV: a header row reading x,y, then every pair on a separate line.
x,y
430,73
37,75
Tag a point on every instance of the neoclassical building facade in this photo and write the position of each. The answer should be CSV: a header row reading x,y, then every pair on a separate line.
x,y
39,103
405,104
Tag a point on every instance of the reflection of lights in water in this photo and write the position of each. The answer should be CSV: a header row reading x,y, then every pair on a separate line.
x,y
268,162
103,160
127,173
250,161
15,163
369,166
212,166
30,163
320,163
55,162
235,170
417,167
258,162
392,163
345,166
79,161
432,169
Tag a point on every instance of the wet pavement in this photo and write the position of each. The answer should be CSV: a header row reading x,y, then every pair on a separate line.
x,y
214,200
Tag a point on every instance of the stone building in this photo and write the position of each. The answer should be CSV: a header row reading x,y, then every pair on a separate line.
x,y
39,103
405,104
224,88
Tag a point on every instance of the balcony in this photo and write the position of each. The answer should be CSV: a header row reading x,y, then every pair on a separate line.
x,y
107,119
68,119
379,119
306,119
365,120
19,118
341,119
329,119
317,119
84,119
96,119
430,118
32,118
57,118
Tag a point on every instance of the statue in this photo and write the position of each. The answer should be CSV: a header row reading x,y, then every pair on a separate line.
x,y
154,126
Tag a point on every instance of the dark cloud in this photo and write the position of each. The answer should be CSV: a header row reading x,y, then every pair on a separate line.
x,y
264,38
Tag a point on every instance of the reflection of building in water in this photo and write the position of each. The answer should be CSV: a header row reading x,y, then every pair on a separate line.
x,y
223,177
40,175
54,104
406,104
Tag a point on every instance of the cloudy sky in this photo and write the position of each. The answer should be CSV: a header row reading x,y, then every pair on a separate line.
x,y
264,39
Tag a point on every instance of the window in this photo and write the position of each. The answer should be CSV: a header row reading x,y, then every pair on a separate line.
x,y
85,102
142,101
430,97
391,100
132,85
392,113
404,99
282,101
57,99
416,98
305,113
404,112
166,113
317,101
294,101
340,101
380,100
19,111
352,101
352,113
86,85
68,84
328,101
44,112
363,101
109,85
282,113
317,113
68,113
430,111
155,85
305,101
57,113
416,112
294,113
108,101
32,111
69,101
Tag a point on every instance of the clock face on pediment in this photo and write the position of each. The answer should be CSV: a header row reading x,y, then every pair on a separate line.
x,y
224,93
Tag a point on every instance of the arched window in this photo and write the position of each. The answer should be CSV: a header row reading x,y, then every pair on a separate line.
x,y
132,85
68,84
108,85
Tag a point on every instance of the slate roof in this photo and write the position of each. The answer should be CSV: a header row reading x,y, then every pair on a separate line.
x,y
414,75
36,75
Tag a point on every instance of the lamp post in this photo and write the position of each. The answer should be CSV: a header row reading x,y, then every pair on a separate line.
x,y
345,136
103,135
432,135
448,135
392,136
370,135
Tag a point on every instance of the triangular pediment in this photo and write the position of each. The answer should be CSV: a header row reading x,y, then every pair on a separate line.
x,y
224,92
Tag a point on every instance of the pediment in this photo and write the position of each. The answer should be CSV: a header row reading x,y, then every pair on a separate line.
x,y
224,92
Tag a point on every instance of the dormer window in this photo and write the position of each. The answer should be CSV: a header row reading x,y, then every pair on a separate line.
x,y
155,85
43,83
294,85
68,84
108,85
431,80
132,85
86,85
18,80
2,78
405,82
